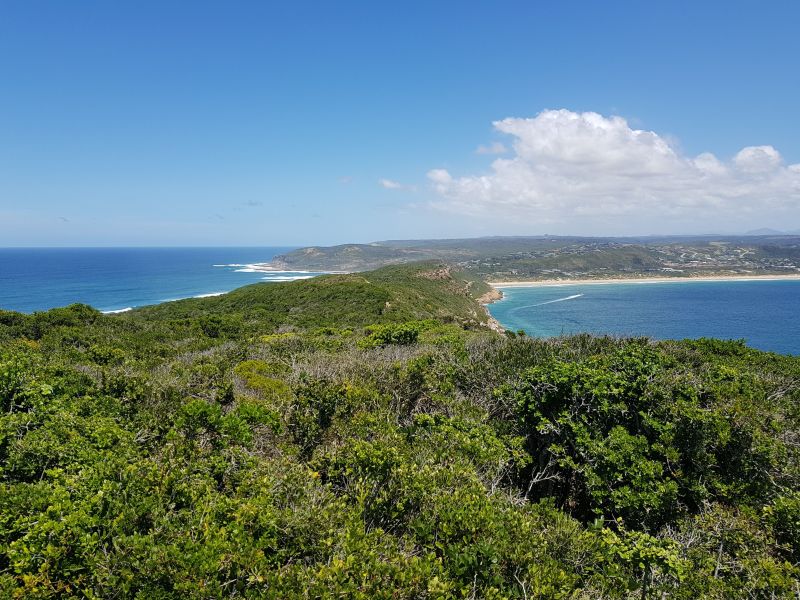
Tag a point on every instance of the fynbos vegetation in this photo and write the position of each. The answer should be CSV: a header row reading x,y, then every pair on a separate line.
x,y
367,436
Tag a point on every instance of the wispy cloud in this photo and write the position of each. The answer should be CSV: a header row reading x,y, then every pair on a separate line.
x,y
345,180
569,166
390,184
493,148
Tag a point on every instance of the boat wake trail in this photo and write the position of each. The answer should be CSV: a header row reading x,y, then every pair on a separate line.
x,y
559,300
548,302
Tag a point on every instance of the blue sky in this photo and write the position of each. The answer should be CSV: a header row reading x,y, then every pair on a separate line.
x,y
238,123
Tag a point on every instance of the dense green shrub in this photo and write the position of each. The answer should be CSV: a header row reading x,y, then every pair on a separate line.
x,y
263,446
392,333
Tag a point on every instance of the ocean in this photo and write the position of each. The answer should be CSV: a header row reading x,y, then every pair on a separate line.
x,y
766,314
116,279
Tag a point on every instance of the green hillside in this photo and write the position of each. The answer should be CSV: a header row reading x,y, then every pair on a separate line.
x,y
398,293
367,436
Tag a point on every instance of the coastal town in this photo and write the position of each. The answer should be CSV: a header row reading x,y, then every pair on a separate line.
x,y
605,259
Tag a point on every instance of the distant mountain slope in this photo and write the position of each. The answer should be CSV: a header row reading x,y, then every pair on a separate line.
x,y
501,258
359,257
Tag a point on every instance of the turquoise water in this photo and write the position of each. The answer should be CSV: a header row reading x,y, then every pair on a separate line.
x,y
115,279
763,313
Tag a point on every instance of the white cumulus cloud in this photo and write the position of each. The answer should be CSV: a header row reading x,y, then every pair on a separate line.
x,y
590,169
758,159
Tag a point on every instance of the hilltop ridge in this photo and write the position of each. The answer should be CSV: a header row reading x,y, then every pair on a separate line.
x,y
423,290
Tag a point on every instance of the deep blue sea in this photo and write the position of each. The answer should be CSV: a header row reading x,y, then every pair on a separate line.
x,y
766,314
115,279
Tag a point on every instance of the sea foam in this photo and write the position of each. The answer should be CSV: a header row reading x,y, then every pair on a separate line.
x,y
287,277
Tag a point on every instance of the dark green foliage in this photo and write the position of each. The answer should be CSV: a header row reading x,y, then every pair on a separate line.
x,y
631,434
395,333
365,437
784,516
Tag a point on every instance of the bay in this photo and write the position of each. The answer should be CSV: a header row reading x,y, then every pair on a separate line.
x,y
764,313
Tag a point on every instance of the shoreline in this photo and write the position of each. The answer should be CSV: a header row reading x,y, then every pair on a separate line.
x,y
288,279
493,295
622,280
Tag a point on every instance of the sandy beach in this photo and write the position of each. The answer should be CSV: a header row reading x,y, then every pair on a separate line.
x,y
563,282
